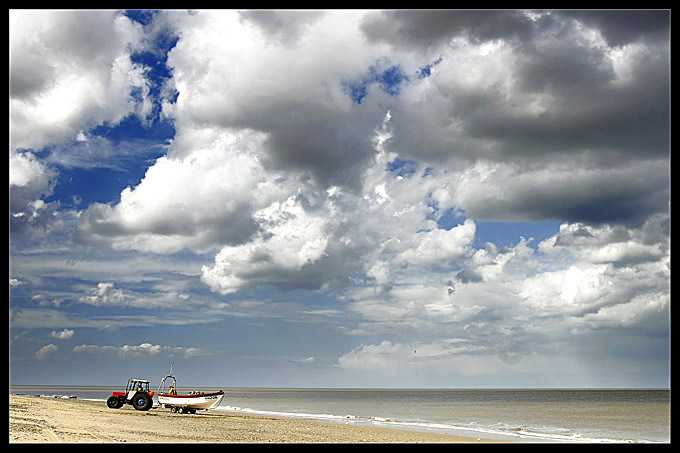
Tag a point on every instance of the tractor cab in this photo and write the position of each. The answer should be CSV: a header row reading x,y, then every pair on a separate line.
x,y
136,385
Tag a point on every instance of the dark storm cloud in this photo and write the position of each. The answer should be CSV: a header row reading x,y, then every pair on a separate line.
x,y
433,27
590,108
332,146
621,27
594,110
627,194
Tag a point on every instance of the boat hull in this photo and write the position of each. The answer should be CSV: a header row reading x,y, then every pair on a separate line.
x,y
196,401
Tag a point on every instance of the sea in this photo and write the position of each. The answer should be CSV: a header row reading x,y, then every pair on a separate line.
x,y
520,415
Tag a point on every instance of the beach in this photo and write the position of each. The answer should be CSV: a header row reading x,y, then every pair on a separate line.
x,y
34,419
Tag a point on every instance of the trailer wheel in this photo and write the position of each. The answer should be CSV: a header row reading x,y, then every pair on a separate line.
x,y
142,401
173,409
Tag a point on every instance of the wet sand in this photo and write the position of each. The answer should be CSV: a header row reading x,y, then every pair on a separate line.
x,y
42,419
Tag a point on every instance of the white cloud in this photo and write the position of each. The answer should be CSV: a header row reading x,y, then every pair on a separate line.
x,y
612,243
69,69
455,362
105,294
230,76
199,201
29,181
303,359
515,301
315,238
439,248
291,239
143,349
63,335
26,170
395,359
45,351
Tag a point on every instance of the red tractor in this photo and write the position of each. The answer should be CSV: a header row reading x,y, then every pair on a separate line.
x,y
136,393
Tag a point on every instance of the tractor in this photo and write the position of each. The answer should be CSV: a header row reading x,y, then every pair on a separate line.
x,y
136,393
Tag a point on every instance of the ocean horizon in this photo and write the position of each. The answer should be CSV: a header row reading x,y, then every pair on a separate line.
x,y
588,415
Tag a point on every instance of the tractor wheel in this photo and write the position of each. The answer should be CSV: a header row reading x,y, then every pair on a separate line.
x,y
142,401
113,403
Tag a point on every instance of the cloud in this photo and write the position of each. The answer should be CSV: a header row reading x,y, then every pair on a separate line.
x,y
140,350
514,145
45,351
311,124
283,26
69,70
302,359
555,99
37,318
292,239
316,239
204,199
565,102
162,295
443,360
624,26
63,335
439,248
627,193
30,180
519,300
613,244
427,29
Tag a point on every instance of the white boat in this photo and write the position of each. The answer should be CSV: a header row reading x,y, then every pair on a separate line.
x,y
189,402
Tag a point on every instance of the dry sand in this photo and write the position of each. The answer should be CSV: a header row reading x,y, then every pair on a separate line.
x,y
41,419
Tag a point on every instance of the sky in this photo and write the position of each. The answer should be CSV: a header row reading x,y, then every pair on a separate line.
x,y
341,198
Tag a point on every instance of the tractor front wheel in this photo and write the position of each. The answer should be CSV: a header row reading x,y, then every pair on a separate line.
x,y
113,403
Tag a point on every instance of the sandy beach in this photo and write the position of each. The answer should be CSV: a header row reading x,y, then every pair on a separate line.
x,y
41,419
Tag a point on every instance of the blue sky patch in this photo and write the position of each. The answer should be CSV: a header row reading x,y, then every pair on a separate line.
x,y
402,167
510,233
388,79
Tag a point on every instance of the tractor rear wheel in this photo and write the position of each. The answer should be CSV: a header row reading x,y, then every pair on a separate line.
x,y
142,401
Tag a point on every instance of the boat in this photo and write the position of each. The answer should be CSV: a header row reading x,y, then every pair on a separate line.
x,y
188,402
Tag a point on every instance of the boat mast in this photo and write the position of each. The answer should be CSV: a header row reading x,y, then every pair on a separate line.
x,y
161,386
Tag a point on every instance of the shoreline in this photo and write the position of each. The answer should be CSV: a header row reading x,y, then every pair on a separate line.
x,y
36,419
